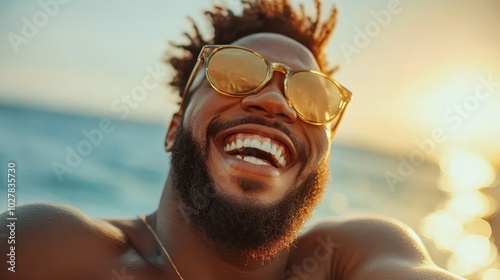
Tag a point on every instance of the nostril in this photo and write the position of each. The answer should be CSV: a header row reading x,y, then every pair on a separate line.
x,y
257,108
282,115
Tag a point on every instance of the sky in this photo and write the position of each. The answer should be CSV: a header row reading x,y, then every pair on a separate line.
x,y
425,75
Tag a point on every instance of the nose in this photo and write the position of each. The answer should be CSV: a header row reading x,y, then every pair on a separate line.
x,y
270,102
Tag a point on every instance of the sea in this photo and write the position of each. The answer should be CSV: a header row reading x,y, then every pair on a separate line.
x,y
119,173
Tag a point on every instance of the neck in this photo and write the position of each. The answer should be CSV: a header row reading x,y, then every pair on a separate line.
x,y
198,258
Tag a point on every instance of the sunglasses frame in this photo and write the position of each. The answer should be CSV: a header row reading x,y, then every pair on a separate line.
x,y
209,50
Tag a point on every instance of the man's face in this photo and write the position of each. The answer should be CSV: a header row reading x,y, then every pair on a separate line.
x,y
217,121
252,202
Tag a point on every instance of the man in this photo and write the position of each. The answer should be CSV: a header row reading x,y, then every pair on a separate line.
x,y
249,146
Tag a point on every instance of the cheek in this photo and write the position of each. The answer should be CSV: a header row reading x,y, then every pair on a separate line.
x,y
199,109
320,146
206,102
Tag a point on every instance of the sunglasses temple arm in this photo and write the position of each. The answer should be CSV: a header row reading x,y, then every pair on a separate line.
x,y
349,96
197,66
334,128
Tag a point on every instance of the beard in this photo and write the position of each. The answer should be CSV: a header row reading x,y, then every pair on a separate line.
x,y
240,228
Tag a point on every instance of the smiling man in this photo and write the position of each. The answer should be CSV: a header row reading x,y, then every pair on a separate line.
x,y
250,146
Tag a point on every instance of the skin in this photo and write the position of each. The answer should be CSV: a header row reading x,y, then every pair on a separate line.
x,y
58,242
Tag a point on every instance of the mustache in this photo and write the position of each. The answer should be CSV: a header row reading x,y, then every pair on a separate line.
x,y
217,126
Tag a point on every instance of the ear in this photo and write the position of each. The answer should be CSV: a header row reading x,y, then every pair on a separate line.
x,y
172,132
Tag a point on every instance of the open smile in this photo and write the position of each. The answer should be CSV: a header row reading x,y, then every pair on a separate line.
x,y
256,149
261,146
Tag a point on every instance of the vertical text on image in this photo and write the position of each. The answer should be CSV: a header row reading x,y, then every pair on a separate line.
x,y
11,215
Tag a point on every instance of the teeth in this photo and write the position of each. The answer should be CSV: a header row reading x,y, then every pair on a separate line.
x,y
239,143
261,162
255,144
243,141
266,147
250,159
278,154
273,149
246,143
254,160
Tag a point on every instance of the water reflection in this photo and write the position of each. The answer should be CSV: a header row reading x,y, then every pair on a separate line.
x,y
459,225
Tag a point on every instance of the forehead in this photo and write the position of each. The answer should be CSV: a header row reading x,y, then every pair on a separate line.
x,y
279,48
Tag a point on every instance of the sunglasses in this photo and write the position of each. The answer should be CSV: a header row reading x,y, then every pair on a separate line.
x,y
238,72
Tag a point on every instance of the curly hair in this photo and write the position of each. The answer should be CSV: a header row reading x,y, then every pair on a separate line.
x,y
257,16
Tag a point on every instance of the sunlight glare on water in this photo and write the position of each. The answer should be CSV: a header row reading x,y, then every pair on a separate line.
x,y
466,171
459,226
491,274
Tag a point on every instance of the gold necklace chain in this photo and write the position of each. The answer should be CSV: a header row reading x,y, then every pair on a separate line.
x,y
143,219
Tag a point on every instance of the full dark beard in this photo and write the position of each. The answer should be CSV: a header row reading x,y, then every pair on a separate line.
x,y
240,228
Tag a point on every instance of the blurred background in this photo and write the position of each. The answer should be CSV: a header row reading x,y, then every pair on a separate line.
x,y
84,109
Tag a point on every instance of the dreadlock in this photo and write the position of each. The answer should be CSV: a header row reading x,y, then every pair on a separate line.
x,y
257,16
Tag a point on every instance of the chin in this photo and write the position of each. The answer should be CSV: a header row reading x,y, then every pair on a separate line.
x,y
253,190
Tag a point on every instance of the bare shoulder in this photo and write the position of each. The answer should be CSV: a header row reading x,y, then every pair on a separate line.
x,y
371,248
52,222
57,239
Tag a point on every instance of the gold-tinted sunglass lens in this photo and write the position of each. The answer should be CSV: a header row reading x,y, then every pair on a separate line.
x,y
236,71
315,97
